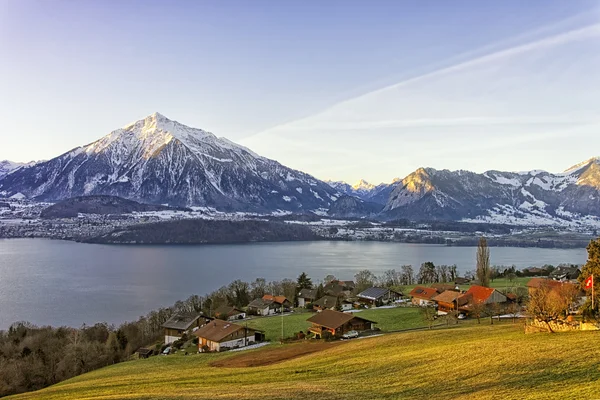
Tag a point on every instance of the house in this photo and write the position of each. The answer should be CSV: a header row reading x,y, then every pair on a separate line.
x,y
440,287
280,301
337,323
229,313
306,296
339,288
461,281
379,296
423,296
536,283
263,307
221,335
447,301
181,323
480,295
566,273
331,302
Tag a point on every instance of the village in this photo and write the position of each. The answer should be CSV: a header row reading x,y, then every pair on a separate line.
x,y
340,312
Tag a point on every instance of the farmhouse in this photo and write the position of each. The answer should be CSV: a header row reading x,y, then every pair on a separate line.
x,y
331,302
263,307
221,335
229,313
280,301
378,296
339,288
306,296
337,323
423,296
181,323
480,295
447,301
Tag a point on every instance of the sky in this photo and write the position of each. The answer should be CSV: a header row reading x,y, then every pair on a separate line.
x,y
342,90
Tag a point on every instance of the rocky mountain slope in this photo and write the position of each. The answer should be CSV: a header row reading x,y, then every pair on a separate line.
x,y
534,197
353,207
7,167
157,160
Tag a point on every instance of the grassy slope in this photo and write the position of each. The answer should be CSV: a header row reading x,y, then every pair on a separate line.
x,y
391,319
474,361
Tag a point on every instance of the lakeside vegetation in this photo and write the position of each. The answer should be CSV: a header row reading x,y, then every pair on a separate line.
x,y
477,361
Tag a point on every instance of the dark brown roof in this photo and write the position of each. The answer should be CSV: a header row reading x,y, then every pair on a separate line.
x,y
218,330
326,302
181,321
260,303
334,319
422,292
308,294
447,296
440,287
227,310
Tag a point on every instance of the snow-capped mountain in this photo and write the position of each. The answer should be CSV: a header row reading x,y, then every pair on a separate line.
x,y
366,191
7,167
533,197
157,160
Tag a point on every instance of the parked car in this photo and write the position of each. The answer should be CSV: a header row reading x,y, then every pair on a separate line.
x,y
350,335
462,316
166,351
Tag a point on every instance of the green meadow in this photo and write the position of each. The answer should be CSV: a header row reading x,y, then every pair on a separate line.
x,y
469,361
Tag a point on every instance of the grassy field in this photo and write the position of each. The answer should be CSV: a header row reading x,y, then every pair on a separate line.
x,y
474,361
388,319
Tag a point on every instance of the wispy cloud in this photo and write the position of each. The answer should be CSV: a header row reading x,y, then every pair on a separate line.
x,y
538,92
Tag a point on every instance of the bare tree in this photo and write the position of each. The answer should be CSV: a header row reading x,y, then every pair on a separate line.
x,y
476,309
547,305
483,263
429,315
408,275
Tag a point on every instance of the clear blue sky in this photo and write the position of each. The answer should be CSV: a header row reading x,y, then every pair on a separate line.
x,y
339,89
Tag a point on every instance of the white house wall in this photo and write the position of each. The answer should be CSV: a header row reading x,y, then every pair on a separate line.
x,y
171,339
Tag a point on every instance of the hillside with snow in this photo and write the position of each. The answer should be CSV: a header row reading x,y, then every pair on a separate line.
x,y
160,161
570,199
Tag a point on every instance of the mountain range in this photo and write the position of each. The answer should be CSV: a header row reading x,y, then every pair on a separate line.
x,y
160,161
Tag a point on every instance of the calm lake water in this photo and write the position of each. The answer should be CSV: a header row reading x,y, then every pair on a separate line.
x,y
68,283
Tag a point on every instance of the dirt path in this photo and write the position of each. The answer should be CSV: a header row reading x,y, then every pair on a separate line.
x,y
272,355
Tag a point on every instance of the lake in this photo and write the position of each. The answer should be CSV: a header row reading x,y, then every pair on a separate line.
x,y
50,282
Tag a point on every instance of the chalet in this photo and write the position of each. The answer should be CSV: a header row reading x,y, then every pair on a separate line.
x,y
440,287
281,301
331,302
263,307
566,273
339,288
379,296
181,323
461,281
423,296
536,283
306,296
221,335
229,313
447,301
337,323
481,295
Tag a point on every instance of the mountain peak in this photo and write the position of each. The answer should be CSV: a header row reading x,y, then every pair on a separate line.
x,y
363,185
588,162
